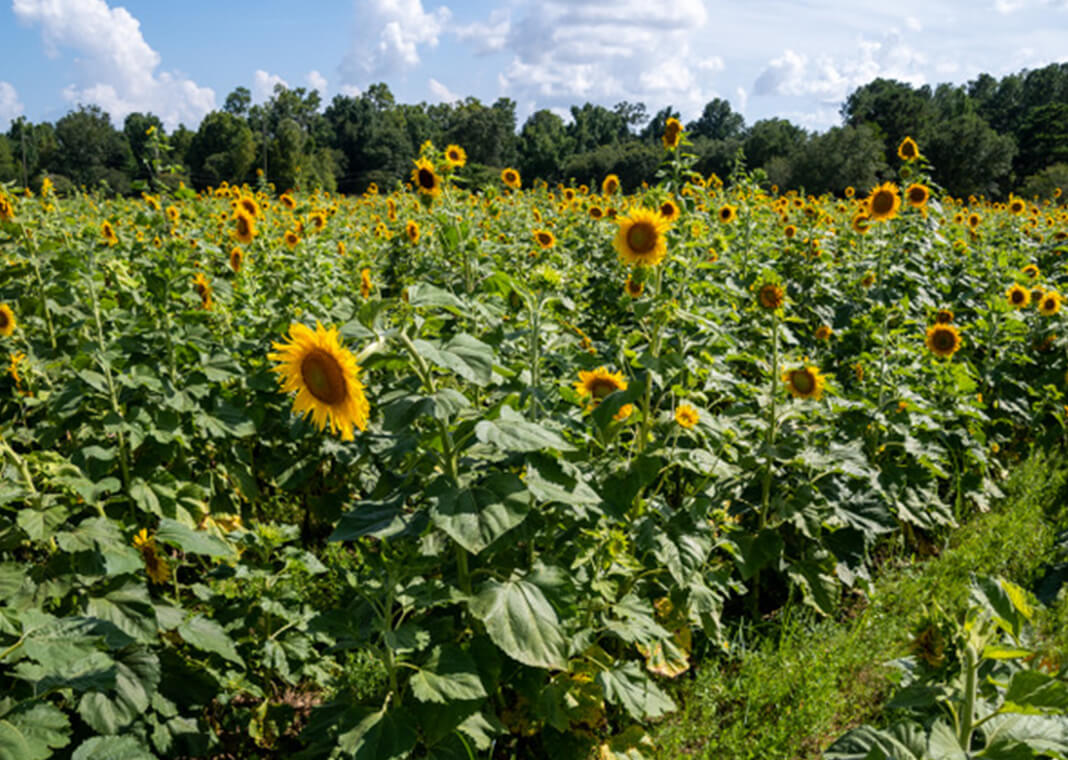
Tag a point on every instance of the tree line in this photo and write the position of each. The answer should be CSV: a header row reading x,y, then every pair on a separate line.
x,y
987,137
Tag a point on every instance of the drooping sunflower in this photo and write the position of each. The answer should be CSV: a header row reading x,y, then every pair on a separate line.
x,y
943,340
686,416
249,205
884,202
598,384
544,238
7,210
245,227
155,565
641,239
366,286
107,233
610,185
288,201
633,287
202,286
425,180
672,133
823,332
908,150
596,212
7,320
1018,297
804,382
669,210
237,259
943,317
13,367
411,229
511,178
770,296
455,156
1031,271
917,195
861,223
728,213
1050,303
325,376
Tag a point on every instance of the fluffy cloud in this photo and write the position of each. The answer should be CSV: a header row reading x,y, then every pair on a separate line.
x,y
10,107
389,37
563,53
118,66
441,92
263,84
317,81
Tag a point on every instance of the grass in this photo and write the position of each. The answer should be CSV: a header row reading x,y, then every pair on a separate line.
x,y
789,690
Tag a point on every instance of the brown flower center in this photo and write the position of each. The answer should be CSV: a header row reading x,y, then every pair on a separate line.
x,y
641,237
883,202
802,381
323,377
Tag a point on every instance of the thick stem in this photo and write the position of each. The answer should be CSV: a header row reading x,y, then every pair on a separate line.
x,y
40,287
535,355
769,440
967,716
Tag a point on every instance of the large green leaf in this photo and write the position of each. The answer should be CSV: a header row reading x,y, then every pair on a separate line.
x,y
902,741
135,682
520,620
513,433
129,609
380,736
632,689
476,517
1031,691
112,748
32,734
192,541
448,675
207,635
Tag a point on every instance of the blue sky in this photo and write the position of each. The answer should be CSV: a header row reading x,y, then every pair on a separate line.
x,y
792,58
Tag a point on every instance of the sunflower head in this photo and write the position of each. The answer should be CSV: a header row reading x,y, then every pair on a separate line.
x,y
850,191
943,317
861,222
455,156
598,384
669,210
511,178
974,220
291,238
687,416
411,229
1050,303
244,227
884,202
1018,297
823,332
366,286
325,376
804,382
789,231
770,296
7,210
202,286
672,133
425,179
1031,271
917,195
107,233
237,258
610,185
596,212
728,213
7,320
908,150
544,238
641,239
634,286
943,340
155,565
288,201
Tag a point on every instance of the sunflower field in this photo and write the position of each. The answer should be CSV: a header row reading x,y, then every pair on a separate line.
x,y
451,472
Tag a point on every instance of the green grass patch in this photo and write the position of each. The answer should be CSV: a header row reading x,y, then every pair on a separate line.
x,y
790,688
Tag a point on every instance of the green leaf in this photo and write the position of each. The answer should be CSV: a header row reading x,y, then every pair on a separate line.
x,y
1031,691
425,295
136,681
112,748
520,620
629,687
41,523
902,741
549,481
476,517
468,357
513,433
32,734
755,552
381,519
380,736
448,675
129,608
207,635
192,541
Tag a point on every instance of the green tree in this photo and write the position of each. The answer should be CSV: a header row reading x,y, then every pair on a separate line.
x,y
593,126
969,157
1042,184
1043,138
8,172
633,161
769,138
223,148
136,127
238,102
839,158
91,151
544,146
894,109
717,122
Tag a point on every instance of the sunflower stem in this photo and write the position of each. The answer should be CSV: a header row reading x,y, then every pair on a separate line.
x,y
40,285
765,497
654,351
535,305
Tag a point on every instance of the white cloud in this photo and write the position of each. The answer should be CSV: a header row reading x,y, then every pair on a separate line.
x,y
441,92
118,66
390,33
316,81
263,84
565,52
913,24
10,107
1005,7
350,90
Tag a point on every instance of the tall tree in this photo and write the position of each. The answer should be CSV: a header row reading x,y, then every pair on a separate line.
x,y
717,122
544,145
91,151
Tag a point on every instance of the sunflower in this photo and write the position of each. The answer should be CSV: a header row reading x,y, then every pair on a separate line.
x,y
908,150
544,238
1031,271
790,231
245,227
1017,206
633,288
943,317
610,185
728,213
804,382
770,296
173,214
107,232
917,195
641,239
366,286
237,258
7,211
291,238
974,220
287,201
686,416
849,191
672,133
598,384
249,205
669,210
883,202
7,320
155,565
411,229
13,368
596,212
943,340
455,156
1050,303
823,332
318,220
203,289
425,179
511,178
325,376
861,222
